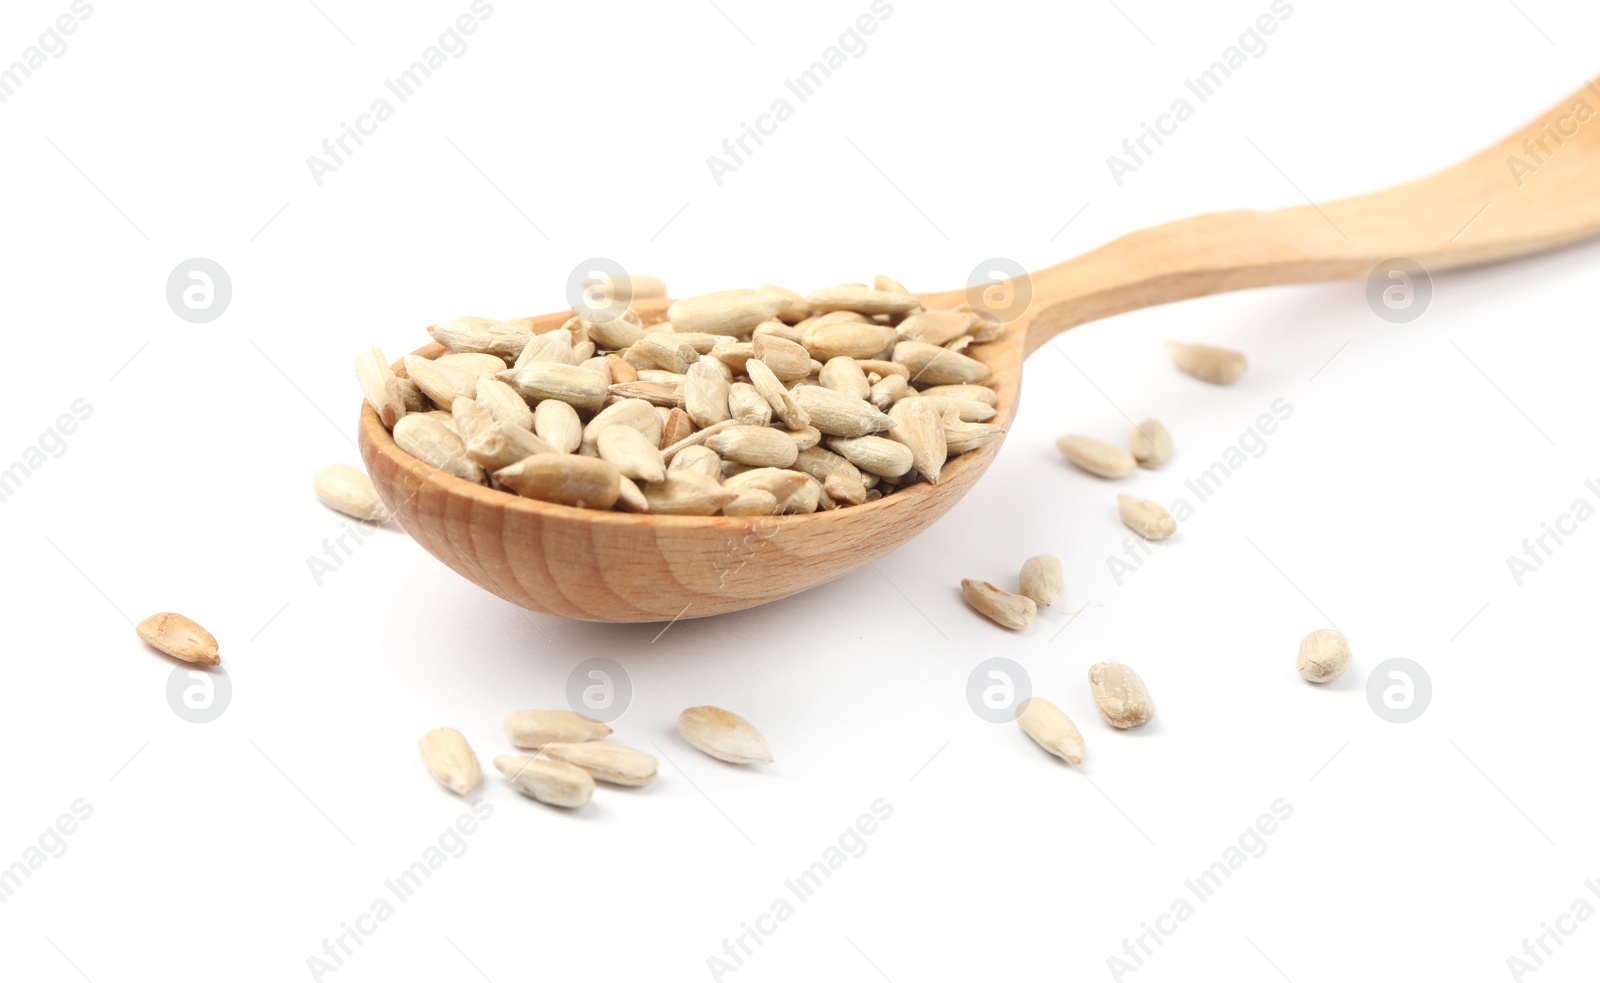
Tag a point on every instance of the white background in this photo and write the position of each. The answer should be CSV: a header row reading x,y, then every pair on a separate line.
x,y
1418,457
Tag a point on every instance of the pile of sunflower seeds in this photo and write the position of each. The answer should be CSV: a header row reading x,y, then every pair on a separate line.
x,y
742,402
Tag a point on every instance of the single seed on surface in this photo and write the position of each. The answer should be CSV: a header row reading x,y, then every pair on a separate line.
x,y
348,489
554,783
533,729
1096,456
723,735
1051,729
607,762
1120,695
1042,579
1146,518
1324,656
450,760
180,638
1216,365
1150,444
1005,609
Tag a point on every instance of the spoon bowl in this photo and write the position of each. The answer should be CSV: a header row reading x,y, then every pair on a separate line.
x,y
621,567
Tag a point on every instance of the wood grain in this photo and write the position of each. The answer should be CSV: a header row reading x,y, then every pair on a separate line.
x,y
613,566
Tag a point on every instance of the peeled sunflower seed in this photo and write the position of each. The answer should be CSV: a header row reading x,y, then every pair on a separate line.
x,y
1042,579
533,729
931,365
467,417
699,458
482,334
846,339
1096,456
1150,444
503,403
632,453
780,399
428,440
1005,609
1216,365
558,423
380,386
748,406
705,394
1324,656
348,489
565,479
581,388
787,360
839,415
875,455
1146,518
723,735
180,638
761,447
501,445
936,327
862,300
684,492
635,413
676,427
1120,695
554,783
1051,729
843,375
961,437
919,425
552,346
607,762
450,760
732,312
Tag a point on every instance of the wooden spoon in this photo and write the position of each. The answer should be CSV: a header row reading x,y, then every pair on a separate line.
x,y
613,566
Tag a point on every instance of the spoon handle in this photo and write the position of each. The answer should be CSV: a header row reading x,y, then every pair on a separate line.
x,y
1537,190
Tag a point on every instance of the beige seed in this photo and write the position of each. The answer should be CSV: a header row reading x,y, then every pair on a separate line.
x,y
936,327
748,406
607,762
583,389
771,389
481,334
450,760
558,423
966,410
618,370
797,309
504,404
862,300
843,375
1216,365
804,439
614,335
1146,518
1150,444
630,497
180,638
889,390
415,400
931,365
788,332
1096,456
920,426
705,393
626,288
665,351
633,454
850,339
1005,609
440,383
428,440
636,413
723,735
696,438
789,488
883,368
565,479
552,346
699,458
839,415
348,489
888,285
761,447
1324,656
1051,729
669,395
533,729
753,501
501,445
380,386
961,437
1120,695
730,312
685,492
467,417
876,455
787,360
1042,579
554,783
982,394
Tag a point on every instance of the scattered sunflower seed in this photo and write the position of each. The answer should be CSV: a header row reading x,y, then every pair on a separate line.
x,y
1120,695
1051,729
180,638
1324,656
450,760
723,735
348,489
554,783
